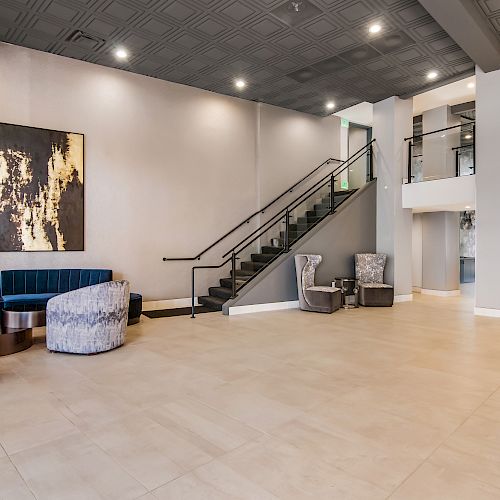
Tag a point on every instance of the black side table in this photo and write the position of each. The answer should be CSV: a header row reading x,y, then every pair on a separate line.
x,y
349,290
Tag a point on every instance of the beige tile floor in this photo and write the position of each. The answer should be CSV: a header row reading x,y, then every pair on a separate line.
x,y
400,403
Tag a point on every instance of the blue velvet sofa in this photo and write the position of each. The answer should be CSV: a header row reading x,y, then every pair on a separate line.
x,y
34,287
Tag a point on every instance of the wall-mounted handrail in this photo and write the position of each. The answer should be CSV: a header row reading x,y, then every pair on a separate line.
x,y
249,218
439,130
463,147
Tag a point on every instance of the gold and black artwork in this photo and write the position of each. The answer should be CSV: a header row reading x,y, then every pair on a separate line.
x,y
41,189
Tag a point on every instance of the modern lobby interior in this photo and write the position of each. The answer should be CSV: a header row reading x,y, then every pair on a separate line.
x,y
249,250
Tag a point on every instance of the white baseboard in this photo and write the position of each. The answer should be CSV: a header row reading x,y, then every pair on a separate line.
x,y
254,308
484,311
403,298
158,305
440,293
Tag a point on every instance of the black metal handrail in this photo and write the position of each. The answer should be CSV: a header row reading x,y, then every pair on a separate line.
x,y
353,158
192,282
260,211
456,149
259,232
439,130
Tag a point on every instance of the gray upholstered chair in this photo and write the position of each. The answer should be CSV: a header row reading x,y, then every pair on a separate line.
x,y
370,275
88,320
324,299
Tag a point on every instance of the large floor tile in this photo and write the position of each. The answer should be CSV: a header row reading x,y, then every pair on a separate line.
x,y
291,473
30,421
150,452
213,481
12,485
75,468
203,426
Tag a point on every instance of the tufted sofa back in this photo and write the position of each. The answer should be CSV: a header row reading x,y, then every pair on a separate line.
x,y
34,281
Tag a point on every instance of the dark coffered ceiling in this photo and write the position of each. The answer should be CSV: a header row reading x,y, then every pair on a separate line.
x,y
491,9
294,60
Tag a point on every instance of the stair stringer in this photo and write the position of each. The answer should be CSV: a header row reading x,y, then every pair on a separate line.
x,y
351,229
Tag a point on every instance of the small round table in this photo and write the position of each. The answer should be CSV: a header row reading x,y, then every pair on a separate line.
x,y
349,288
16,329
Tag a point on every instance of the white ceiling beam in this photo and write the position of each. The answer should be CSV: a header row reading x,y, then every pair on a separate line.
x,y
470,28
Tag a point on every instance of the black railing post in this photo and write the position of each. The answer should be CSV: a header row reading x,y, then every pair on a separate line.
x,y
457,163
370,163
410,152
287,231
474,148
192,293
332,194
233,275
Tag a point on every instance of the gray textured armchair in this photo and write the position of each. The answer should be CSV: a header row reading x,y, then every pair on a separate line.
x,y
324,299
370,275
88,320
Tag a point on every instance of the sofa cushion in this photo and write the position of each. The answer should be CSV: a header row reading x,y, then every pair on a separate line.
x,y
27,298
36,281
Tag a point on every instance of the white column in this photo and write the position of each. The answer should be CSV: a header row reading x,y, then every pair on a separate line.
x,y
487,193
392,122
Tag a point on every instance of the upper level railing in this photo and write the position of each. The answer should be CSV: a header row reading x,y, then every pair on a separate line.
x,y
444,153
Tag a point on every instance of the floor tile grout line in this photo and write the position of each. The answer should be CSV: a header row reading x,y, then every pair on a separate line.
x,y
443,442
22,477
194,469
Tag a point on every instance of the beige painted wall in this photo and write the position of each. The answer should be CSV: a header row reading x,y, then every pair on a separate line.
x,y
167,167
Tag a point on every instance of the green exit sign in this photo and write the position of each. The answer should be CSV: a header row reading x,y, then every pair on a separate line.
x,y
344,184
344,123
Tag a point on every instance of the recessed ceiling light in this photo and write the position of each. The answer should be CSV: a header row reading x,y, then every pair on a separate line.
x,y
375,28
444,135
432,75
467,206
468,136
241,84
330,105
471,85
121,54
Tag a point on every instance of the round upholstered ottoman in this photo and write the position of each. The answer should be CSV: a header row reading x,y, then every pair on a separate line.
x,y
134,308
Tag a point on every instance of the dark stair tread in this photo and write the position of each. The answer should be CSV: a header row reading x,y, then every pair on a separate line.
x,y
271,250
214,303
252,266
306,220
228,282
242,273
322,206
220,291
262,257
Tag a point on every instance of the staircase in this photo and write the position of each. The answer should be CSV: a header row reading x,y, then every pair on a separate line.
x,y
218,295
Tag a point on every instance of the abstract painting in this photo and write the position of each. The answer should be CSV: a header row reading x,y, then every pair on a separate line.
x,y
41,189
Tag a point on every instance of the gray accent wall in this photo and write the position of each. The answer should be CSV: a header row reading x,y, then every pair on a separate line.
x,y
337,239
